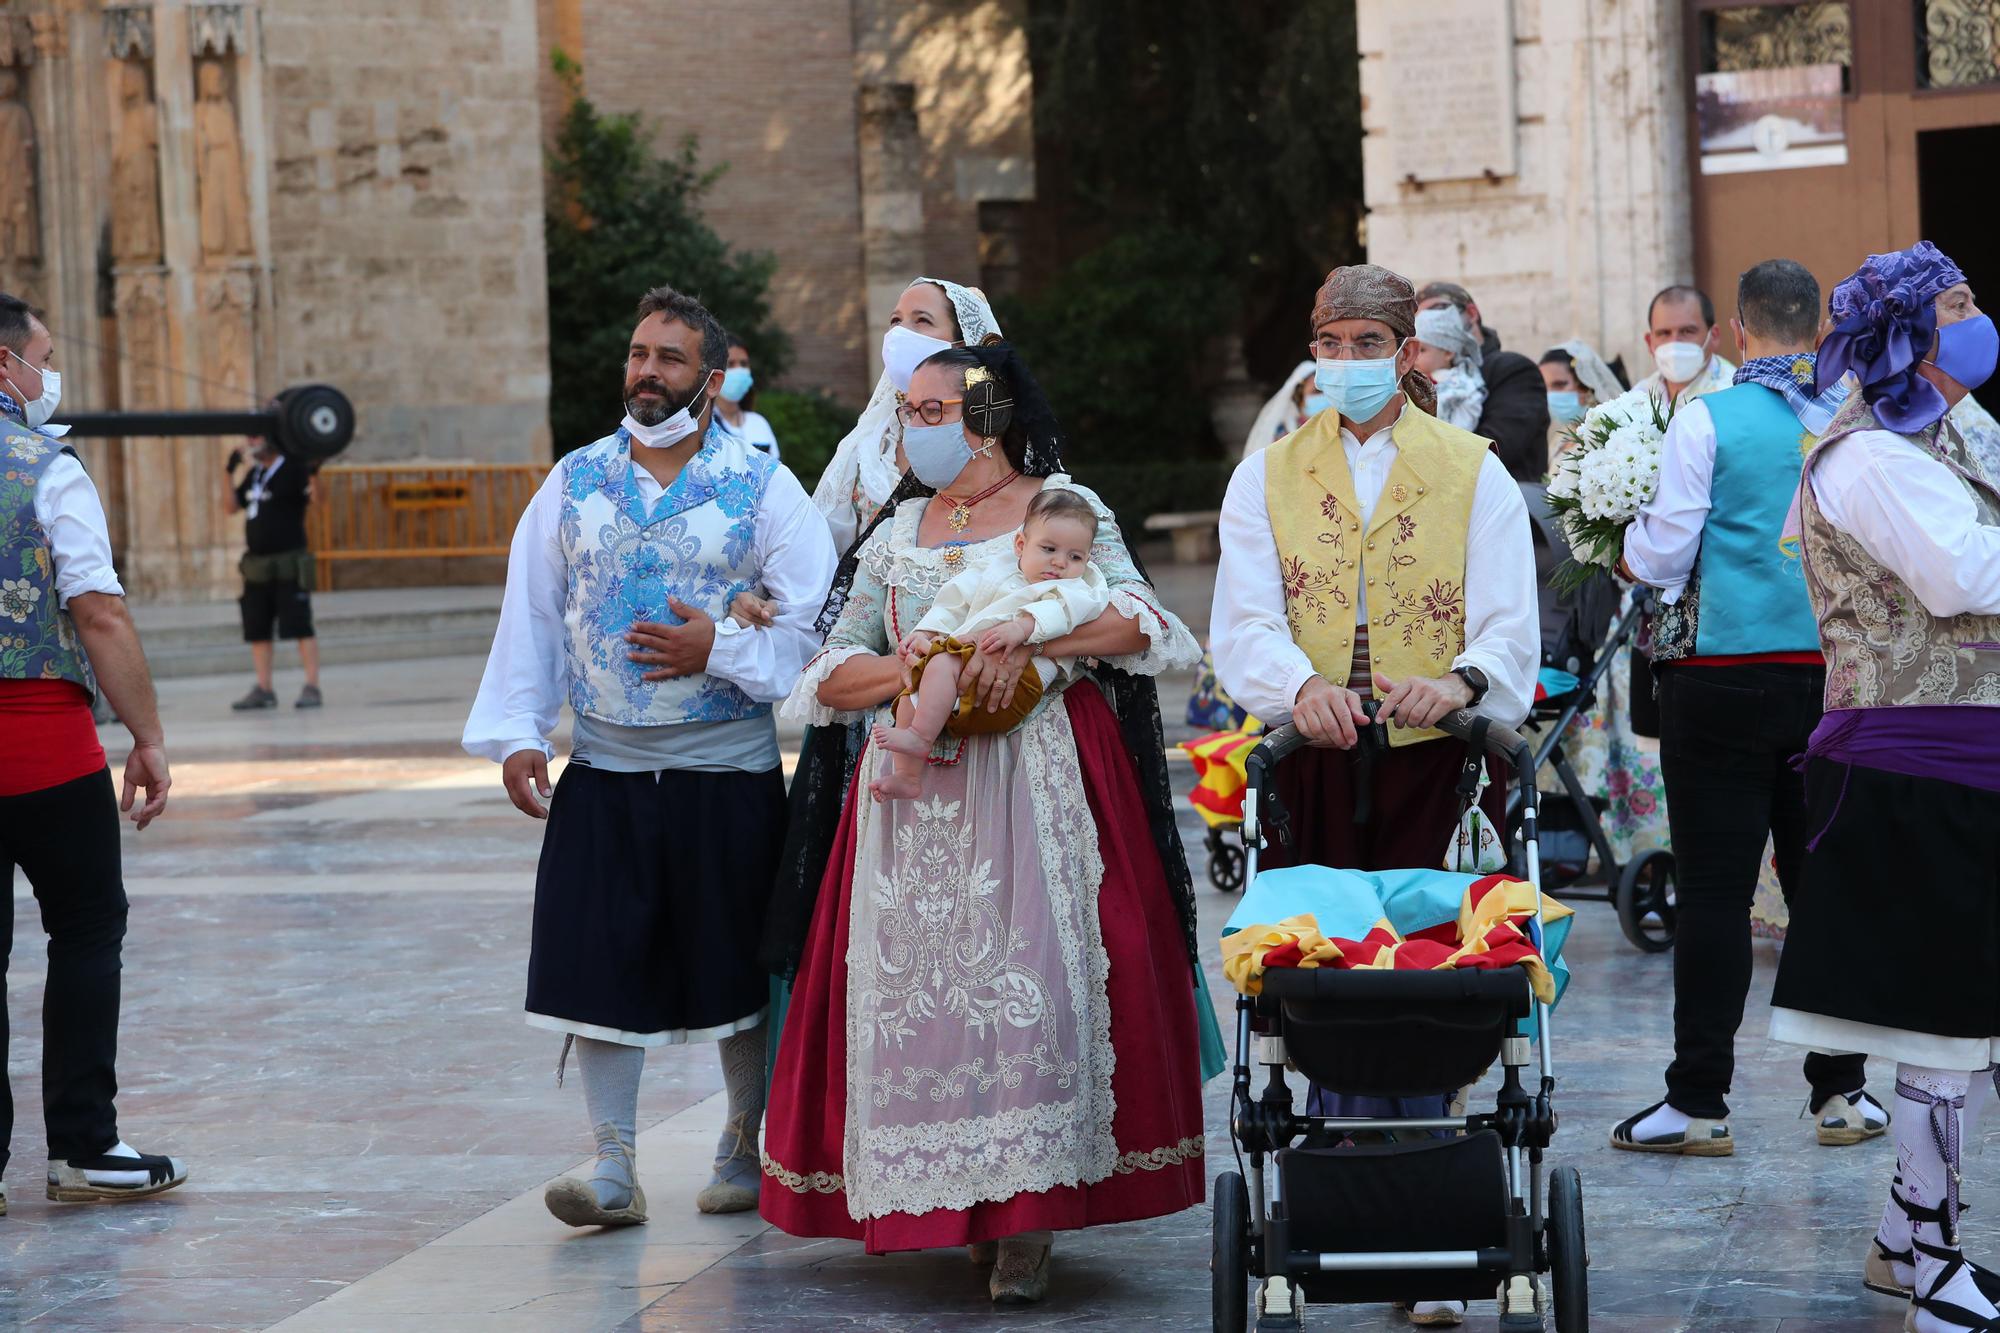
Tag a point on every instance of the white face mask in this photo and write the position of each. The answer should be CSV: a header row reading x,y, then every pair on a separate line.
x,y
36,412
670,432
1679,363
904,349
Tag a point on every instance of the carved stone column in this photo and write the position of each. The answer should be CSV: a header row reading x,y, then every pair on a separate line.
x,y
225,328
20,177
144,305
189,274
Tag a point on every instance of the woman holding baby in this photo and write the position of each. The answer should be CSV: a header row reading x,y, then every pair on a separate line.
x,y
993,1030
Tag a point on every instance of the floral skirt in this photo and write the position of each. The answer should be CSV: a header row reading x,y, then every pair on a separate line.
x,y
1159,1166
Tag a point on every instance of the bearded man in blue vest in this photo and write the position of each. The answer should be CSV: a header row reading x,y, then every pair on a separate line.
x,y
1736,651
664,831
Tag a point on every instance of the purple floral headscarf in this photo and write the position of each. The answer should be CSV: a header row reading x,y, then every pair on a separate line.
x,y
1884,318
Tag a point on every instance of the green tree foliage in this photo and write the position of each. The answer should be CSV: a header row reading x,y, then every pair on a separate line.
x,y
810,426
621,219
1111,337
1204,161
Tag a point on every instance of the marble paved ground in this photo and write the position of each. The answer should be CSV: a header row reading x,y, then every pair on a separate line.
x,y
323,984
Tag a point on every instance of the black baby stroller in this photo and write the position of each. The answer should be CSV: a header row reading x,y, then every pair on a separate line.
x,y
1437,1218
1582,631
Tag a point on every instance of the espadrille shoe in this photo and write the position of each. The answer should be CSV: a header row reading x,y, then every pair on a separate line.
x,y
735,1175
122,1173
576,1202
1701,1138
1841,1122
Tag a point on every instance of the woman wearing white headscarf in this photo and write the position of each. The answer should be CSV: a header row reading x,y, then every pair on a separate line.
x,y
933,315
1286,410
1451,355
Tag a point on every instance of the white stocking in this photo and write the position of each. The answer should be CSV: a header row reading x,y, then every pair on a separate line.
x,y
736,1158
1928,1156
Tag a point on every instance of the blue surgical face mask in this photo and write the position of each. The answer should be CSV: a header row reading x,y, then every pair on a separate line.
x,y
1565,406
1317,403
937,454
1967,351
1357,389
736,382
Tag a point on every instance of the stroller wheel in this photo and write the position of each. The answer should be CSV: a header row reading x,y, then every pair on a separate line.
x,y
1225,863
1644,899
1229,1262
1569,1263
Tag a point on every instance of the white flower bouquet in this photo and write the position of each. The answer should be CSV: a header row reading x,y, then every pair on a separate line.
x,y
1610,469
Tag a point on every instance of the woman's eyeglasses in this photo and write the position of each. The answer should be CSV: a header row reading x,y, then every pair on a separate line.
x,y
930,411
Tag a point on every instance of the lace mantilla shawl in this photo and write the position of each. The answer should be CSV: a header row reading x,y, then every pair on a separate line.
x,y
863,473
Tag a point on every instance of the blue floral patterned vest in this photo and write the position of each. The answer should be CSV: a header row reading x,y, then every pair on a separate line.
x,y
37,639
624,562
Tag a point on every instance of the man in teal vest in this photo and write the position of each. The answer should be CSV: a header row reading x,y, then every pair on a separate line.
x,y
1736,652
65,634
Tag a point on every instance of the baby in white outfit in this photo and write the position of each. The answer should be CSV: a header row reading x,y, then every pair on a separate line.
x,y
1045,592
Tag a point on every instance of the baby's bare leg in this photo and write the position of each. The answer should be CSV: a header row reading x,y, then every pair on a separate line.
x,y
918,724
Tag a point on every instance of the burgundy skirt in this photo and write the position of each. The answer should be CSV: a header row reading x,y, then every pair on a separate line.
x,y
1156,1081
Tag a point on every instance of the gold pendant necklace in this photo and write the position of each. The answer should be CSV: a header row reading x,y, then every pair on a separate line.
x,y
960,517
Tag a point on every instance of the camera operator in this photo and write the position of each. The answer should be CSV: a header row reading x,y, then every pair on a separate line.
x,y
273,492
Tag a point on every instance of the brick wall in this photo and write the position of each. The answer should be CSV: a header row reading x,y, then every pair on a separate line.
x,y
406,219
767,86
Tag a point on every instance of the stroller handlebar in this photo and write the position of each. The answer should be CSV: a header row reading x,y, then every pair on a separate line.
x,y
1501,742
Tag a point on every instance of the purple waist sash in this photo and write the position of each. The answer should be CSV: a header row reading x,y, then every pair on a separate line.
x,y
1952,744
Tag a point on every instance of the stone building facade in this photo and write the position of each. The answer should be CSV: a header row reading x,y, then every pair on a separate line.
x,y
1578,104
866,142
1565,159
218,200
215,200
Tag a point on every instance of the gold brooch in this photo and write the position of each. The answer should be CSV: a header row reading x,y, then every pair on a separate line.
x,y
1400,494
953,555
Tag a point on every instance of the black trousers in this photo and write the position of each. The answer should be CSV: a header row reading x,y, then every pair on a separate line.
x,y
65,840
1728,735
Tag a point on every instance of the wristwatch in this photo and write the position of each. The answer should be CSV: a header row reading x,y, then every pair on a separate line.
x,y
1475,680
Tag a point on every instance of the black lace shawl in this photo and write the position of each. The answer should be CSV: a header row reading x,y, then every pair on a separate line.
x,y
826,765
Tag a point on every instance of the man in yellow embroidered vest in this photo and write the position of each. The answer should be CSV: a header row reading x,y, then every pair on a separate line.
x,y
1374,551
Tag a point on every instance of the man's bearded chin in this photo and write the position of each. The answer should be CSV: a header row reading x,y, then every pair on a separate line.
x,y
648,412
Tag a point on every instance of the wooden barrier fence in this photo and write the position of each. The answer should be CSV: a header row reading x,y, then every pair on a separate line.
x,y
408,511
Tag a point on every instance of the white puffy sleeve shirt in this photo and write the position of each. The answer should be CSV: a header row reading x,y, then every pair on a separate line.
x,y
67,507
1913,514
521,695
1262,667
1664,538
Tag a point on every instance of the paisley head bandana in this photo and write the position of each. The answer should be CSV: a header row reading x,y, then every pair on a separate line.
x,y
1369,291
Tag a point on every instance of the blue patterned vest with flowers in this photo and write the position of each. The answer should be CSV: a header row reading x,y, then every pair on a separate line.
x,y
37,638
697,544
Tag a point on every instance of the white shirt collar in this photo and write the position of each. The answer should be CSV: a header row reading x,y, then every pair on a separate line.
x,y
1354,444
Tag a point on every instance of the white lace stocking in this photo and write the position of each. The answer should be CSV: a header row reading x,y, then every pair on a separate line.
x,y
1928,1156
